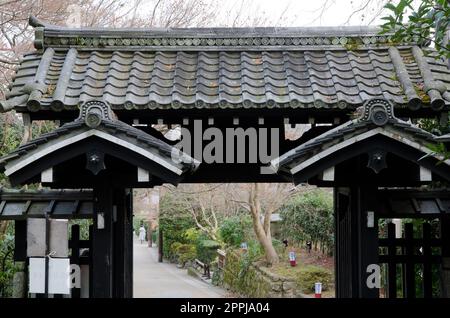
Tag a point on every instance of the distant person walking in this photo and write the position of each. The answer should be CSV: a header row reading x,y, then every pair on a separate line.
x,y
142,233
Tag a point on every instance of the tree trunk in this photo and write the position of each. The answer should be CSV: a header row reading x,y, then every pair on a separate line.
x,y
265,241
263,237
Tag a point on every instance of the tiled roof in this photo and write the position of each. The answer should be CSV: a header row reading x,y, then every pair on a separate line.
x,y
413,202
225,68
19,204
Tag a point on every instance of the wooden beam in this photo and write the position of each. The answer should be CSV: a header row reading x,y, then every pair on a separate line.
x,y
102,253
20,240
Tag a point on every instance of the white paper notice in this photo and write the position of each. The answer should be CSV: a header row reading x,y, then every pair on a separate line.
x,y
59,276
37,276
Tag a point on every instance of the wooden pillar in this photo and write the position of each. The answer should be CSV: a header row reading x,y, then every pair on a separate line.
x,y
128,288
340,270
123,244
367,239
445,272
20,241
356,245
75,256
160,245
344,244
119,247
102,242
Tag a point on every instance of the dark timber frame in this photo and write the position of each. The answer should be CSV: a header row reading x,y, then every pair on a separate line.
x,y
357,90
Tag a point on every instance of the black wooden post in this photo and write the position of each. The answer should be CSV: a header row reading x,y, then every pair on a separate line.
x,y
91,249
47,251
427,261
118,243
123,245
160,245
102,242
356,244
75,254
366,198
392,264
344,267
410,274
20,240
445,268
128,244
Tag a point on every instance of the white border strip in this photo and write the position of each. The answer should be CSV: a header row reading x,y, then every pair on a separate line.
x,y
328,174
425,174
142,175
47,175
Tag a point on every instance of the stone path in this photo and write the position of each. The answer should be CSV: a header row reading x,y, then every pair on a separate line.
x,y
163,280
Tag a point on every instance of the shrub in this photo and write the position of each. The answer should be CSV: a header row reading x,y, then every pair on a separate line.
x,y
254,251
174,246
206,249
185,252
278,246
7,266
217,278
174,220
84,227
155,236
173,231
309,275
234,230
309,216
192,235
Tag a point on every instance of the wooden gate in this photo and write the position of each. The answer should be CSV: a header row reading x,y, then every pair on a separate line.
x,y
411,263
80,255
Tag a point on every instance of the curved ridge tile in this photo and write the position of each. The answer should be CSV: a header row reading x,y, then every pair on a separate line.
x,y
431,87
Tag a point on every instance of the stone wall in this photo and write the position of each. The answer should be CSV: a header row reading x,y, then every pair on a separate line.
x,y
255,280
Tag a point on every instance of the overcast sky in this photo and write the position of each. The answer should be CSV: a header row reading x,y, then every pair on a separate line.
x,y
314,12
289,12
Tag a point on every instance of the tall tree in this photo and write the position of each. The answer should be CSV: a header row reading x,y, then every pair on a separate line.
x,y
261,200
